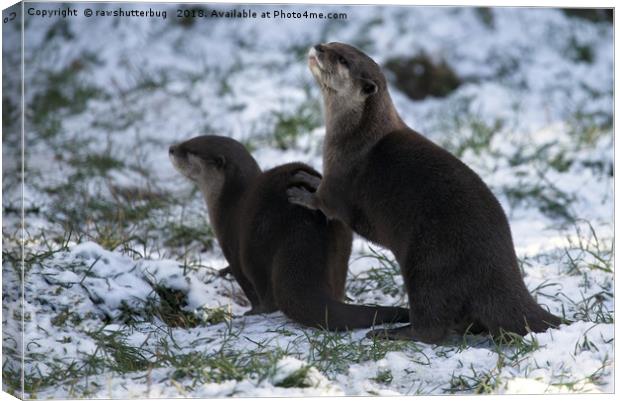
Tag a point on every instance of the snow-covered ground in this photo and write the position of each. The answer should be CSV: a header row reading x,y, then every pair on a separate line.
x,y
115,237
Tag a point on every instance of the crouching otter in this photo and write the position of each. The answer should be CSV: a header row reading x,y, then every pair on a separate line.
x,y
283,256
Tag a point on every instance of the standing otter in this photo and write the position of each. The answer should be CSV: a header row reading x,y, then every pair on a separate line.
x,y
393,186
284,256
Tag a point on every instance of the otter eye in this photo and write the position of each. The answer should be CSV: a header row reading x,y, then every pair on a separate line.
x,y
219,161
343,61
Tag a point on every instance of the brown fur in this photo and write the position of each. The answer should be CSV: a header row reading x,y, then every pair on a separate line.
x,y
284,256
393,186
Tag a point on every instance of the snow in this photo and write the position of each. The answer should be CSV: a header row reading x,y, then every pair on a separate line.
x,y
537,102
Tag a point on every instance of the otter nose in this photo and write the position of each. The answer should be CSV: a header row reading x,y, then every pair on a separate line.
x,y
171,150
319,48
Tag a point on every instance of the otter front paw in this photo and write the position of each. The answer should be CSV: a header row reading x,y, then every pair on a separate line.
x,y
305,179
302,197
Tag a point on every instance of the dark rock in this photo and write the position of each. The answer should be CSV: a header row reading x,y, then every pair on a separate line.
x,y
419,76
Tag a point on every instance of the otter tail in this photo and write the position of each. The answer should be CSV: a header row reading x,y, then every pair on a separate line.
x,y
329,314
539,320
531,318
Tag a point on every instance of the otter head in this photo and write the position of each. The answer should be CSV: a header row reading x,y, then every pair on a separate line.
x,y
214,162
344,71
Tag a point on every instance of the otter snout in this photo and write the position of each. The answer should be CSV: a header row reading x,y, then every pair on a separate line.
x,y
176,151
314,56
183,162
177,157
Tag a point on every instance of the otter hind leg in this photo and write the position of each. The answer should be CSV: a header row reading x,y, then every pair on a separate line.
x,y
266,302
248,288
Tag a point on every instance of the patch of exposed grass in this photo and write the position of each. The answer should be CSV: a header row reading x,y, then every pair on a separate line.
x,y
64,92
485,14
113,219
38,250
511,349
384,377
114,351
598,378
586,256
170,308
385,278
60,28
288,126
546,197
299,379
334,352
476,382
10,118
227,363
481,135
586,251
65,316
12,378
591,308
464,129
96,164
587,127
579,52
180,235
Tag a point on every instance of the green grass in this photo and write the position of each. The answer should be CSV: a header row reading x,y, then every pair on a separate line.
x,y
511,350
544,196
288,125
298,378
333,352
475,382
112,354
587,127
383,277
182,235
384,377
486,16
65,92
464,129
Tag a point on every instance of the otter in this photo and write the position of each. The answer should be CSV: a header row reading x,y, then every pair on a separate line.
x,y
284,257
390,184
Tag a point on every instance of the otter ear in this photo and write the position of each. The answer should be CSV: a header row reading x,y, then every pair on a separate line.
x,y
368,87
220,161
